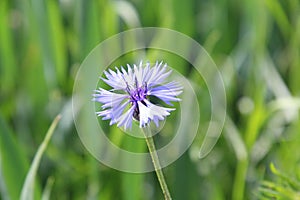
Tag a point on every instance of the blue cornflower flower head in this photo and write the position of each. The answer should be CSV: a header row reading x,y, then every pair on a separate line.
x,y
129,97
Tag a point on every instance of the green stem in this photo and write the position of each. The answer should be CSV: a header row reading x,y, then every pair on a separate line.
x,y
156,163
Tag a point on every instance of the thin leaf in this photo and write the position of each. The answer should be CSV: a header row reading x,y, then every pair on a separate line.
x,y
27,190
13,163
293,183
48,188
7,54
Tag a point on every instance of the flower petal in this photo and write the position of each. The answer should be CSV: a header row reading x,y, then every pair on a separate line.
x,y
152,111
128,76
115,80
113,113
126,119
156,121
167,92
108,99
146,73
158,74
138,74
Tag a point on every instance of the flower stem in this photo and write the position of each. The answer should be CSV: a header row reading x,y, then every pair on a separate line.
x,y
156,163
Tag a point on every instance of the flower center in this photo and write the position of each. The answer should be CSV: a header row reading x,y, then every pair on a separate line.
x,y
139,94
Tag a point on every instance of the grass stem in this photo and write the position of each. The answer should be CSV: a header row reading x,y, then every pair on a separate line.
x,y
156,163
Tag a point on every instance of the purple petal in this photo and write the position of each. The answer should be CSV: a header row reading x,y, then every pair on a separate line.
x,y
146,73
108,99
113,113
167,92
138,74
156,121
116,112
126,119
158,74
115,80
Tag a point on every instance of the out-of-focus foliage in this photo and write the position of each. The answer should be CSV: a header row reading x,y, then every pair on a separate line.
x,y
255,44
286,187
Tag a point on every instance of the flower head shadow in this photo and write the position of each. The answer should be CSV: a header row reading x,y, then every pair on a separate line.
x,y
129,97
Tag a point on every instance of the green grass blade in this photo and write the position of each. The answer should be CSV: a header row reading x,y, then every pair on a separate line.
x,y
13,162
58,43
48,188
7,54
27,190
279,15
89,27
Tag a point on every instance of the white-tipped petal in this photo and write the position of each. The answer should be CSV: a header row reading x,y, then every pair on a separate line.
x,y
150,111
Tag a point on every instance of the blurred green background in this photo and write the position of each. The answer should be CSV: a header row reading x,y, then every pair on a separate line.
x,y
256,45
